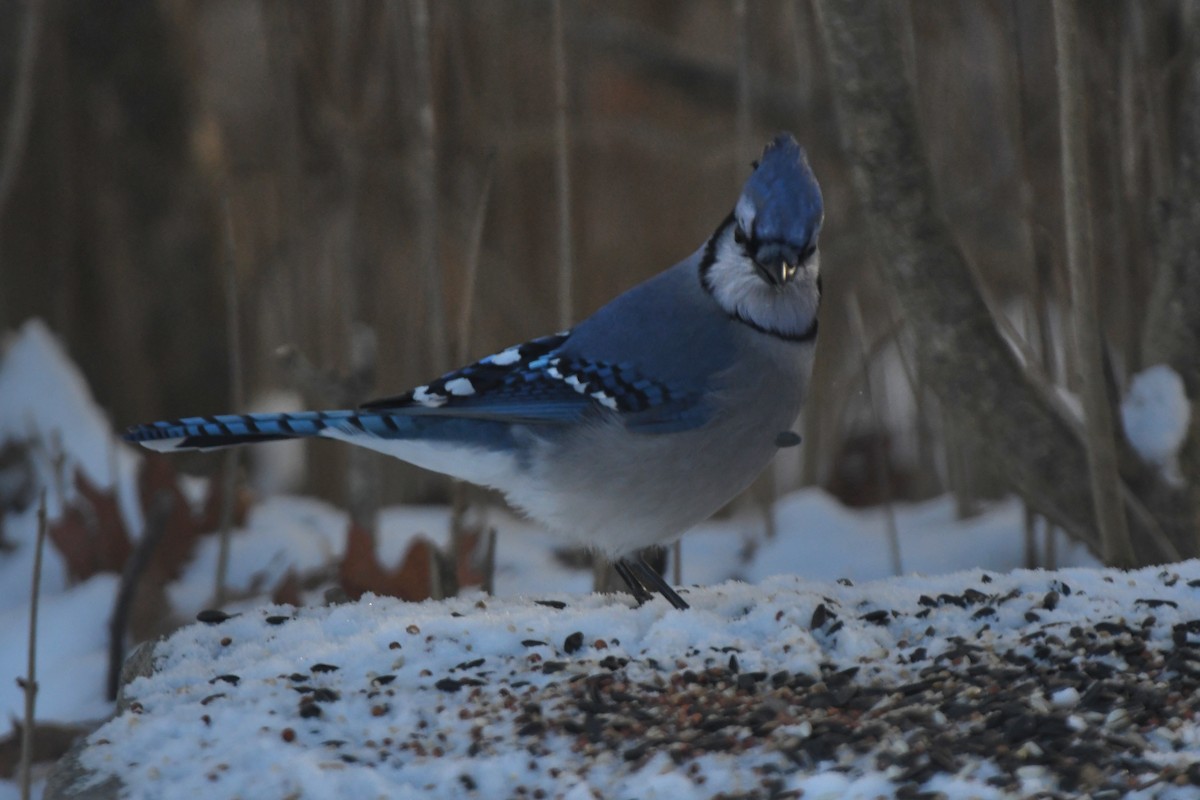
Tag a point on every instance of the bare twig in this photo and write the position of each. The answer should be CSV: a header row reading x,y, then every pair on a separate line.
x,y
1154,530
474,248
762,492
362,465
1049,545
562,172
427,224
30,683
854,314
458,490
1029,528
135,566
489,561
1099,443
1039,238
17,129
1038,318
50,448
237,397
745,149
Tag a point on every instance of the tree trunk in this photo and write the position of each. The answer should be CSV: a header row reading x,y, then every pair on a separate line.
x,y
1172,328
959,351
1099,443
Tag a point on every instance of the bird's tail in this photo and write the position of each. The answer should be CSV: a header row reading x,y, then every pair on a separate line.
x,y
226,430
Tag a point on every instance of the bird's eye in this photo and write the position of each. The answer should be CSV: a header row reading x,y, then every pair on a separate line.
x,y
739,235
807,252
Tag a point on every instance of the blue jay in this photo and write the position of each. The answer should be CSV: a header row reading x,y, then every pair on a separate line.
x,y
638,422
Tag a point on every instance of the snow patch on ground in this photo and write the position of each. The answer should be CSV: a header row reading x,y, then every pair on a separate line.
x,y
72,653
45,398
281,534
476,696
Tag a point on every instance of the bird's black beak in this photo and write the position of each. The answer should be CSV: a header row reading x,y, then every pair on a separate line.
x,y
776,265
778,273
779,263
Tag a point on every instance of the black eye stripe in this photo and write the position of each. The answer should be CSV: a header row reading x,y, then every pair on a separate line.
x,y
751,244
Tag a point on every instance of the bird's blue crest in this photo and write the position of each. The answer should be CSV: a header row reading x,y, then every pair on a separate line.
x,y
781,201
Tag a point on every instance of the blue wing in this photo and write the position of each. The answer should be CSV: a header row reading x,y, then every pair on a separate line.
x,y
537,383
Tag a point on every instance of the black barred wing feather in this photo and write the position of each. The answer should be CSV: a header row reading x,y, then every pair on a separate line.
x,y
532,382
645,404
511,385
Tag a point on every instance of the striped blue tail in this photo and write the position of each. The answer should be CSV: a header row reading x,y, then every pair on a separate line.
x,y
225,430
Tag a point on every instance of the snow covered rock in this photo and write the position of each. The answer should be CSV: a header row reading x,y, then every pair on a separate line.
x,y
974,684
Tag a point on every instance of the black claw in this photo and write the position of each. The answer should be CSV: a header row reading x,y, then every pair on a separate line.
x,y
635,587
650,576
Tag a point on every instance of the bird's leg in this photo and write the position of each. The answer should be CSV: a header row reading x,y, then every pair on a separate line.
x,y
639,592
650,577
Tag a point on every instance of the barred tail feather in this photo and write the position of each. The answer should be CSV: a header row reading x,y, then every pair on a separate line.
x,y
227,430
481,451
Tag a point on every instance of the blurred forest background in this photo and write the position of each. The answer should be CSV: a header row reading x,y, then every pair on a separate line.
x,y
385,189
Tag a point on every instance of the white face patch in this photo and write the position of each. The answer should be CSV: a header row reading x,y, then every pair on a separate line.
x,y
740,291
744,214
427,398
460,387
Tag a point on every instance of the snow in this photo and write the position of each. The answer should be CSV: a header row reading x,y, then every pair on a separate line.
x,y
435,698
821,539
1156,415
281,534
46,399
761,597
72,652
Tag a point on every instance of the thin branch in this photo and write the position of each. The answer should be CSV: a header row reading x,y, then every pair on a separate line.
x,y
1099,443
237,398
1049,545
489,561
1039,238
30,683
458,489
474,248
763,491
427,224
859,331
1029,527
745,149
562,172
135,566
1154,530
17,130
